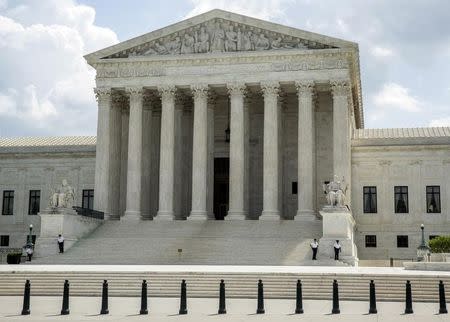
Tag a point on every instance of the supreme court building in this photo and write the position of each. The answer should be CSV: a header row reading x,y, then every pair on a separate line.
x,y
223,116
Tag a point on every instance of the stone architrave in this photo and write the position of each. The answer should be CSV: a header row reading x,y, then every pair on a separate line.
x,y
167,153
236,210
341,131
102,156
200,152
271,210
306,187
134,164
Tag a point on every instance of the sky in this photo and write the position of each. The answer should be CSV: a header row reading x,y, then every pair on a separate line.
x,y
46,87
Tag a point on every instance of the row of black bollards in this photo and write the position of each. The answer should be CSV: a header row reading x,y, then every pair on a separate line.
x,y
222,308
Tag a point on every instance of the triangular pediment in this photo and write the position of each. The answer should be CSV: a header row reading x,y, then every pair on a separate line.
x,y
218,31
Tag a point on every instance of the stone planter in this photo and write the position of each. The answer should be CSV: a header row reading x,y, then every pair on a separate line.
x,y
440,257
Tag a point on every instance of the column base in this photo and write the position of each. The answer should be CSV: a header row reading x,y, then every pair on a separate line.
x,y
270,215
305,215
131,215
198,215
164,215
236,215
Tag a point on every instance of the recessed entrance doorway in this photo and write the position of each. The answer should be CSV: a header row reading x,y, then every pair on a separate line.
x,y
221,187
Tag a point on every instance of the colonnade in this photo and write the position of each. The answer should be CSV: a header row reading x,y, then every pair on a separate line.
x,y
107,171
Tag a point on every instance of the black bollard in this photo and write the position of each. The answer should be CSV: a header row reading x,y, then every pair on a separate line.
x,y
408,307
144,298
373,298
105,298
442,303
65,303
260,309
26,299
299,299
335,309
183,304
222,309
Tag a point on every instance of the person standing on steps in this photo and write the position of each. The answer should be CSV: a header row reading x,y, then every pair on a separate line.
x,y
337,250
29,251
61,243
315,247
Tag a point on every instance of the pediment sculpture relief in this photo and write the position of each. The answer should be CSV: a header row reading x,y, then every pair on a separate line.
x,y
218,36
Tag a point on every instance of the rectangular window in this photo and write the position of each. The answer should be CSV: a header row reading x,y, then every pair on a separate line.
x,y
402,241
4,240
401,199
433,199
8,203
294,188
371,241
370,200
34,202
88,199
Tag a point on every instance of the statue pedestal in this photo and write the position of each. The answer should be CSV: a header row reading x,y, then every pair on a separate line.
x,y
338,224
64,221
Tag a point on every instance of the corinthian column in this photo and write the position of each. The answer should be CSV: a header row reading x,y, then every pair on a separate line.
x,y
271,210
200,152
237,152
341,132
134,164
101,199
306,150
167,153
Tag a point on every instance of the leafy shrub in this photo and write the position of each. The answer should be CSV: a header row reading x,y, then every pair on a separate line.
x,y
440,244
13,258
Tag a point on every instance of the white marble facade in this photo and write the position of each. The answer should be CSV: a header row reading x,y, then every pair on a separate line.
x,y
292,102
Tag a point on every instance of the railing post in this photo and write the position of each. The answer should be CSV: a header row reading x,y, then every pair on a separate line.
x,y
144,309
260,309
408,307
65,303
442,303
26,299
299,299
335,309
183,300
222,309
105,309
373,298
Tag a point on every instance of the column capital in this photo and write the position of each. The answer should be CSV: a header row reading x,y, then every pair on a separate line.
x,y
270,88
304,88
167,91
236,89
340,87
134,91
102,93
199,90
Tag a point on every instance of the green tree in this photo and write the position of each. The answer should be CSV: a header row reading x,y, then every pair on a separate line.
x,y
440,244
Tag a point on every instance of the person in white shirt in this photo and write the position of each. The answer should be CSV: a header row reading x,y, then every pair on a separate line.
x,y
29,251
61,243
337,250
314,246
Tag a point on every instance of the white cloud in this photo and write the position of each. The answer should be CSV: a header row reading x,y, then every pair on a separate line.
x,y
381,52
47,87
262,9
395,96
445,121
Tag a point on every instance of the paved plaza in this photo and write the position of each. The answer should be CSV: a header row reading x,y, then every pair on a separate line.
x,y
166,309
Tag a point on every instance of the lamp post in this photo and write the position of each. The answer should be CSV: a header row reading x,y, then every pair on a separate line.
x,y
30,237
423,250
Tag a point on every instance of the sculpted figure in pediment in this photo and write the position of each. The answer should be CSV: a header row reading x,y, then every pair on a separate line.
x,y
201,41
276,43
174,46
157,49
187,46
262,43
231,39
217,38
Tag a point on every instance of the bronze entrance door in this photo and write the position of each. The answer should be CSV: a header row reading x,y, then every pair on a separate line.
x,y
221,187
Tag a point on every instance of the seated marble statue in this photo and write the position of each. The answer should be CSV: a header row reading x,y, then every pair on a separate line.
x,y
63,196
335,191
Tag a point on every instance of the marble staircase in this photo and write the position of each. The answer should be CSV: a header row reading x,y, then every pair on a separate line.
x,y
196,243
